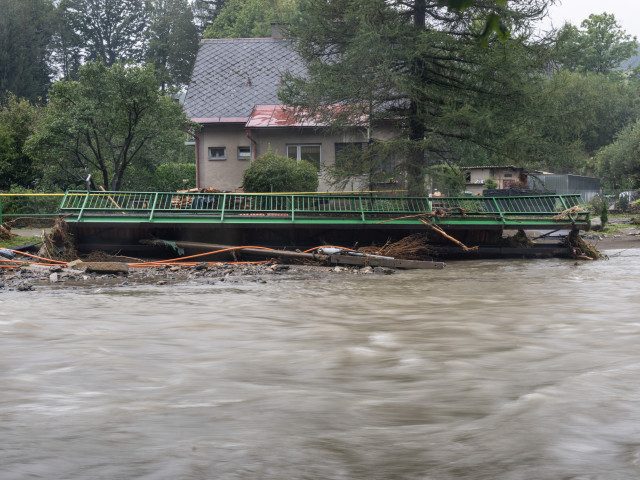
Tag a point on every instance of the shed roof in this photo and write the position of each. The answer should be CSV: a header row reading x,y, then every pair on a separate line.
x,y
230,76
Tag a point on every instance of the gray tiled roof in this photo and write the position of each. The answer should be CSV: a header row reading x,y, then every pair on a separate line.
x,y
230,76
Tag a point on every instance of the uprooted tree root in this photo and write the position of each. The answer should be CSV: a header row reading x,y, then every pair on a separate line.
x,y
581,249
5,233
59,244
519,240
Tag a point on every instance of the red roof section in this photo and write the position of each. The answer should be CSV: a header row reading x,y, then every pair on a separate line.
x,y
268,116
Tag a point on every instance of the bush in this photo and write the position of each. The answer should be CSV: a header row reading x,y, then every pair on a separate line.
x,y
167,177
490,184
170,177
27,203
273,173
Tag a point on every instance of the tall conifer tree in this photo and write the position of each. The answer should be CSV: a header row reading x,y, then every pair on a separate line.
x,y
419,65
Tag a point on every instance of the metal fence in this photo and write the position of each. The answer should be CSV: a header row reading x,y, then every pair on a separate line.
x,y
263,208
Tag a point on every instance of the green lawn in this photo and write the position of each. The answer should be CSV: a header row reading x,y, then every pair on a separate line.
x,y
15,241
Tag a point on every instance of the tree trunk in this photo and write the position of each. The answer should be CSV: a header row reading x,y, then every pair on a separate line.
x,y
415,157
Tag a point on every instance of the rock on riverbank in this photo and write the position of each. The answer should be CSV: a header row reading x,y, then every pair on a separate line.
x,y
87,275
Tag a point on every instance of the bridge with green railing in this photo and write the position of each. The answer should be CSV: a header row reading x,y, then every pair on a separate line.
x,y
522,212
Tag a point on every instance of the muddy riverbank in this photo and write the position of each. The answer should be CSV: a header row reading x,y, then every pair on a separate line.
x,y
36,277
30,277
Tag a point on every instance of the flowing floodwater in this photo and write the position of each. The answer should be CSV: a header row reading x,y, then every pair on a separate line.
x,y
503,369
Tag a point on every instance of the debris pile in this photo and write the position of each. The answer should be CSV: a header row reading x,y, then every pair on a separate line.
x,y
581,249
519,240
570,211
413,247
5,233
58,245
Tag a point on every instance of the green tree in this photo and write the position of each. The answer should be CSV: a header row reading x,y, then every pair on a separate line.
x,y
604,211
112,30
108,120
570,116
419,66
173,41
600,45
618,164
205,12
25,32
66,46
250,18
447,179
17,120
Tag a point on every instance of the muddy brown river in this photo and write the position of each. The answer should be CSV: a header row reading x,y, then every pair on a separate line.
x,y
492,370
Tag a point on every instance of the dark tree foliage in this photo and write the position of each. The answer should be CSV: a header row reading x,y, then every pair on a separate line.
x,y
25,32
173,41
600,45
206,11
420,67
112,30
17,120
66,46
251,18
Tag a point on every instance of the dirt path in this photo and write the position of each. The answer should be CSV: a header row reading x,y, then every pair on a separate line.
x,y
29,232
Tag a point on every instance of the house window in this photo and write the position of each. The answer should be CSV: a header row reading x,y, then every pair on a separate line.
x,y
346,153
310,153
244,153
508,175
217,153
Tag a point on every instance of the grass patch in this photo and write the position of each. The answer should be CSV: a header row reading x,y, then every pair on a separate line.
x,y
616,228
15,241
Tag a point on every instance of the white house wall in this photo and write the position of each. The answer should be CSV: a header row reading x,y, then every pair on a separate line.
x,y
226,174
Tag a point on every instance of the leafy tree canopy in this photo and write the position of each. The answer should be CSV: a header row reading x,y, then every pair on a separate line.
x,y
600,45
108,120
17,119
25,32
173,41
619,163
205,12
568,117
112,30
251,18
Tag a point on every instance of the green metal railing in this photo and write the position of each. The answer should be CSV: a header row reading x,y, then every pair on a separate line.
x,y
164,207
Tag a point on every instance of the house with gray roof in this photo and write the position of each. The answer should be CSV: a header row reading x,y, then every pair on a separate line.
x,y
232,93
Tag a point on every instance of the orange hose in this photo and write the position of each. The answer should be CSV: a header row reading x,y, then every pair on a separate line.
x,y
198,255
39,258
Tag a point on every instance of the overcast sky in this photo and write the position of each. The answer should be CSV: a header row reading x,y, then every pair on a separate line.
x,y
627,12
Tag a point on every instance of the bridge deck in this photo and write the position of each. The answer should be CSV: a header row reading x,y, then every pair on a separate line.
x,y
524,212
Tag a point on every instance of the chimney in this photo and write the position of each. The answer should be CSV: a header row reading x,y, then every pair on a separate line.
x,y
275,30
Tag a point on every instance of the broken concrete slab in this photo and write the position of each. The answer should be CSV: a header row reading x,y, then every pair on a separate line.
x,y
105,267
76,264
